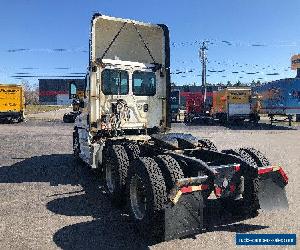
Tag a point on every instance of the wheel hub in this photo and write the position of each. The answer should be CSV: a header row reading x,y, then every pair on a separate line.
x,y
138,197
110,183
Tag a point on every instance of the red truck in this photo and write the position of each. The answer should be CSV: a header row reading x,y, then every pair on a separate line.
x,y
195,105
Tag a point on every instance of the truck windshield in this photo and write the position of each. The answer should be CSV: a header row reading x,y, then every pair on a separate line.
x,y
144,83
114,82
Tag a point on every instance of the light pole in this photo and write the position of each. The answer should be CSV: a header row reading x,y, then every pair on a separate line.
x,y
203,60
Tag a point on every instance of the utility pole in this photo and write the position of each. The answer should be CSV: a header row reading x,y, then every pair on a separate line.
x,y
203,60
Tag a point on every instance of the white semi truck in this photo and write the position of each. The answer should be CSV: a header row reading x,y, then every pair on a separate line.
x,y
165,179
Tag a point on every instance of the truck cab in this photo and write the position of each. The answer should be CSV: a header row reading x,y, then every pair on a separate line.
x,y
128,78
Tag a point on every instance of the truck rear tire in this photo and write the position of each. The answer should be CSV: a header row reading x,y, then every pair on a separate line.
x,y
171,170
116,165
243,154
147,195
249,204
247,157
260,159
208,144
132,149
231,151
251,185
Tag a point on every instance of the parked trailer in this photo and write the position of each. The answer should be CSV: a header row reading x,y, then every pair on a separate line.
x,y
233,104
163,179
12,102
281,97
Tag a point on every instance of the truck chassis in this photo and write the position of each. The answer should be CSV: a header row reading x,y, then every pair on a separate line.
x,y
165,181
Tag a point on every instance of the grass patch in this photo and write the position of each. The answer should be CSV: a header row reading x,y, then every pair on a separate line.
x,y
34,109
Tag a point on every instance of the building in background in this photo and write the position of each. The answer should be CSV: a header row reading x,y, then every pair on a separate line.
x,y
59,91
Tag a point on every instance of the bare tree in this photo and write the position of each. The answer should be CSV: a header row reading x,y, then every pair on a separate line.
x,y
31,93
238,83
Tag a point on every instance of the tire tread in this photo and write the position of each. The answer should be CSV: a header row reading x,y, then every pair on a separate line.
x,y
170,169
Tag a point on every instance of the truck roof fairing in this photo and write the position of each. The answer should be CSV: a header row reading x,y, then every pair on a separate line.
x,y
127,40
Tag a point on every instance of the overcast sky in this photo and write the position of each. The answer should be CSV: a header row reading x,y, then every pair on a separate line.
x,y
254,39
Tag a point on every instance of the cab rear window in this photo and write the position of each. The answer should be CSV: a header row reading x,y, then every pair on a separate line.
x,y
143,83
114,82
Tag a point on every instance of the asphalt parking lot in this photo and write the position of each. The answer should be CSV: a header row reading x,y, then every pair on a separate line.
x,y
48,201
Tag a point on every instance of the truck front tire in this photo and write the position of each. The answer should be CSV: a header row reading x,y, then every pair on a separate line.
x,y
116,165
76,145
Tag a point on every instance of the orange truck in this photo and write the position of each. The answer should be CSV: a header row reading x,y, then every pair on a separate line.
x,y
12,102
232,104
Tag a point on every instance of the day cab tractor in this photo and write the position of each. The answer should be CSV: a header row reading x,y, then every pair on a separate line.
x,y
197,105
164,180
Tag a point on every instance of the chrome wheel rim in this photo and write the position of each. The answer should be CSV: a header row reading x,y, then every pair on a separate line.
x,y
138,197
109,178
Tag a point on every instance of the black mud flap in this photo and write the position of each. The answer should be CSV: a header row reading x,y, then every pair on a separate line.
x,y
185,218
271,189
